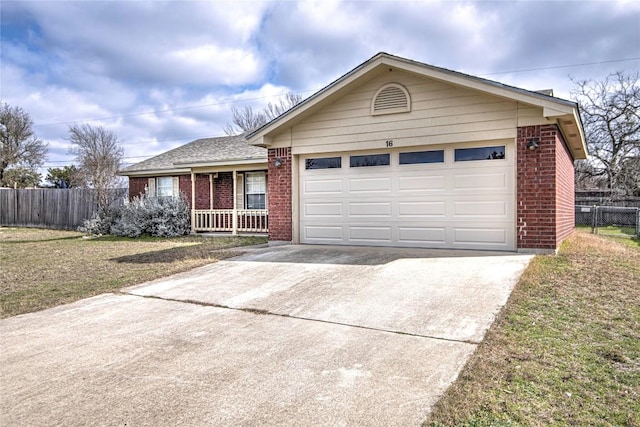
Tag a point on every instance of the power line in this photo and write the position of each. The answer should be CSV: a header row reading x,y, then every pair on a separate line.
x,y
561,66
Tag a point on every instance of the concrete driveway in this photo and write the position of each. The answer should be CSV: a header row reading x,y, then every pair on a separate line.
x,y
280,336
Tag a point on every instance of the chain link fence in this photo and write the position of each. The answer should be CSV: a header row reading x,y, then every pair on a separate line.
x,y
611,220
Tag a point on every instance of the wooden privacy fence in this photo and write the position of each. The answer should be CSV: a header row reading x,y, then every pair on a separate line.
x,y
59,208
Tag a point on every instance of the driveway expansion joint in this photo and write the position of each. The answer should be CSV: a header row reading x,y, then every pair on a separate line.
x,y
262,312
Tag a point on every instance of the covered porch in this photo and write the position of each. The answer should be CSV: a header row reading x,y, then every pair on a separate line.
x,y
236,201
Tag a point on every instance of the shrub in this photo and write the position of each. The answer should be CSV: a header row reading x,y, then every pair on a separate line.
x,y
100,223
154,216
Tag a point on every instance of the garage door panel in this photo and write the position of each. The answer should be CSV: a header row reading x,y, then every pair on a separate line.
x,y
369,234
366,209
484,236
422,209
368,185
433,235
421,184
480,181
323,209
325,233
494,208
323,186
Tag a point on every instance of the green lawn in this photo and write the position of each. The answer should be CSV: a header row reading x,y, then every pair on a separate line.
x,y
45,268
565,350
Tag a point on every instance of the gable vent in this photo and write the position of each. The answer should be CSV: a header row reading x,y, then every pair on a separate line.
x,y
391,98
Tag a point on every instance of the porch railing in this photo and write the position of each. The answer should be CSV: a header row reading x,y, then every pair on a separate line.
x,y
246,220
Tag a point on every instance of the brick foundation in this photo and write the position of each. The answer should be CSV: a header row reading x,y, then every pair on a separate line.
x,y
545,212
279,182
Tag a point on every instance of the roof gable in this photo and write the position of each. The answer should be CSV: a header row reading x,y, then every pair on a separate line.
x,y
565,112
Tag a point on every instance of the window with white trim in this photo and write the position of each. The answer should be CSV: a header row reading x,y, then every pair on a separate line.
x,y
255,188
164,186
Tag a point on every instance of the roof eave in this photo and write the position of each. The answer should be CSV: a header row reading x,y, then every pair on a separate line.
x,y
571,127
154,172
552,106
227,162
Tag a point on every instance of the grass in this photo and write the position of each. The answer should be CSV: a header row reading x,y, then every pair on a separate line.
x,y
44,268
564,351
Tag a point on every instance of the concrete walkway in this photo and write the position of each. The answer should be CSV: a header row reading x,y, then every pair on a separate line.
x,y
281,336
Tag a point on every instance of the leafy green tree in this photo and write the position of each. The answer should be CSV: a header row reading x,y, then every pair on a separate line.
x,y
66,177
19,147
21,177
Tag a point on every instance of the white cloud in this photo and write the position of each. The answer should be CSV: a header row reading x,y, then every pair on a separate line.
x,y
207,63
71,61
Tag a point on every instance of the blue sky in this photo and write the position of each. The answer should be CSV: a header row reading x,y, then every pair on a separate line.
x,y
160,74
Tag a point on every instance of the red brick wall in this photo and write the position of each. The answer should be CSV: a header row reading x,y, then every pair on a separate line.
x,y
203,194
184,186
565,191
137,186
279,194
203,191
545,212
223,191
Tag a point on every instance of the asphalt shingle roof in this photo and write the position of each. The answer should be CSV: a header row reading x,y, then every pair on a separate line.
x,y
201,151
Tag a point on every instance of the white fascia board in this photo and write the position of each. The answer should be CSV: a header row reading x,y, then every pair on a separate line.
x,y
230,162
155,172
490,87
552,107
260,136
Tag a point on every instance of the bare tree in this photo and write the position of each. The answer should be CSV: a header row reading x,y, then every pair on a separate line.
x,y
19,148
99,156
610,111
246,119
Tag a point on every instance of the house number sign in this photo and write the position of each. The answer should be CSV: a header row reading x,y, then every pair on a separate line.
x,y
389,143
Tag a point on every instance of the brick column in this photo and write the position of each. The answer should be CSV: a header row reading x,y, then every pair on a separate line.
x,y
279,195
544,188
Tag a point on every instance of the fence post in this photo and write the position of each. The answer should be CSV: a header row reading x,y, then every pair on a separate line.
x,y
638,222
594,220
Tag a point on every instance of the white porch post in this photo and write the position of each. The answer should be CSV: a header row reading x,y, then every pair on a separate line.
x,y
193,202
235,204
211,191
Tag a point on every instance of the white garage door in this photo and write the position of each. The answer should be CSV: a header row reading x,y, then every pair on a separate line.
x,y
459,197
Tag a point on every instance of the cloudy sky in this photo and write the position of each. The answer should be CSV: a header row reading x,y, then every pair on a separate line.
x,y
160,74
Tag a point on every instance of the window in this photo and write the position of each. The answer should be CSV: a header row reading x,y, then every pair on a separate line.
x,y
256,190
369,160
164,186
323,163
413,157
480,153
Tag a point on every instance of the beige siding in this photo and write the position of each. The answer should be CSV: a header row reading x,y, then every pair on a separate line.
x,y
531,116
440,113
